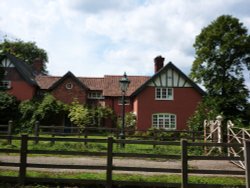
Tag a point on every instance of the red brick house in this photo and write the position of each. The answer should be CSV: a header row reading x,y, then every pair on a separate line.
x,y
165,100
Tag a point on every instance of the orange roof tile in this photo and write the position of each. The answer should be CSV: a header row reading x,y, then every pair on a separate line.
x,y
93,83
112,88
44,82
109,84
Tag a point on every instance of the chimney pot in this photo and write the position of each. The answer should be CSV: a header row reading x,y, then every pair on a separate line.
x,y
37,65
159,63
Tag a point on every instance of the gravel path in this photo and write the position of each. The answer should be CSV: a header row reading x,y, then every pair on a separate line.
x,y
173,164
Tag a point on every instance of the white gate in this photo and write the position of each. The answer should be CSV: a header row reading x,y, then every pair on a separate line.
x,y
237,135
213,133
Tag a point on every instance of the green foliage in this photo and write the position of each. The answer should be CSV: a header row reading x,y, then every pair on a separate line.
x,y
222,54
26,121
8,107
99,113
79,115
48,108
26,51
207,110
47,111
130,120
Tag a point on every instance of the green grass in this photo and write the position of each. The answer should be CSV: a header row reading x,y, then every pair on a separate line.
x,y
233,181
95,147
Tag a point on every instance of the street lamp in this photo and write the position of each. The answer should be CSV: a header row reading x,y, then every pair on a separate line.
x,y
124,83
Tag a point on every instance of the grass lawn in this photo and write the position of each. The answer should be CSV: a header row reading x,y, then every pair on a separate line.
x,y
232,181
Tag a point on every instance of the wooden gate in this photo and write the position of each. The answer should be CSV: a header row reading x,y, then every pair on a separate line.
x,y
237,135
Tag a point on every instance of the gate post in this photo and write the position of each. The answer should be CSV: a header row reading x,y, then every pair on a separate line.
x,y
184,164
23,159
37,128
10,125
109,163
247,162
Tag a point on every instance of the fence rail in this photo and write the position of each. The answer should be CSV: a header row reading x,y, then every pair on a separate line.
x,y
110,168
130,133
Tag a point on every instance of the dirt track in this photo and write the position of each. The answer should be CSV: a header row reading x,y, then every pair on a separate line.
x,y
173,164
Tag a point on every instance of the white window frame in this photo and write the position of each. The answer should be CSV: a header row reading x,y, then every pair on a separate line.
x,y
164,93
6,84
126,101
95,95
164,121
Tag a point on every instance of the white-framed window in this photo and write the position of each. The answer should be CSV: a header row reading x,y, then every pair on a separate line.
x,y
164,93
5,84
95,95
126,101
69,85
164,121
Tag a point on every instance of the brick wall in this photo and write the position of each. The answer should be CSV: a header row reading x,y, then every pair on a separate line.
x,y
64,93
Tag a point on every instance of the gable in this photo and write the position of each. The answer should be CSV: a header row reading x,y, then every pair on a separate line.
x,y
6,63
68,77
25,71
170,78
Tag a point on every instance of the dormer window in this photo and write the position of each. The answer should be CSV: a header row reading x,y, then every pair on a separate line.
x,y
163,93
95,95
126,101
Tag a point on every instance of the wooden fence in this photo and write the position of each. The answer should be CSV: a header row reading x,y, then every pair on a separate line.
x,y
7,130
96,131
110,168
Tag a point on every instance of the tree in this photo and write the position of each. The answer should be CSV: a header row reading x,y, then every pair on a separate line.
x,y
79,115
222,54
206,110
26,51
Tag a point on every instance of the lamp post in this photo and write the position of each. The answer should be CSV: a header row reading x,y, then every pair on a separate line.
x,y
124,83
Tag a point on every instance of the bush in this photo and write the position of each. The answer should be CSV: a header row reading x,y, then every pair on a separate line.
x,y
8,108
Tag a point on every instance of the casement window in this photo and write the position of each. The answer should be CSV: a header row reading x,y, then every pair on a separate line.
x,y
164,121
126,101
95,95
4,84
164,93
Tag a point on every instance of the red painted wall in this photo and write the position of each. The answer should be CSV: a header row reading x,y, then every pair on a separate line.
x,y
183,106
22,90
68,95
112,102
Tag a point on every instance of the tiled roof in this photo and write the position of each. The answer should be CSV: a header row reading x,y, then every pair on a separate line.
x,y
109,84
112,88
93,83
45,82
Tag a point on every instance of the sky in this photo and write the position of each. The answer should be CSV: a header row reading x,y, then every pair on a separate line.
x,y
94,38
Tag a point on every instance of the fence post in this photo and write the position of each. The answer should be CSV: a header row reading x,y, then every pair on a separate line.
x,y
37,132
85,136
109,163
247,162
184,163
53,135
193,136
23,158
10,124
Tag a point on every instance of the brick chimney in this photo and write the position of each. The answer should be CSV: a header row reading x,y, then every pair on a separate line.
x,y
159,63
37,66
